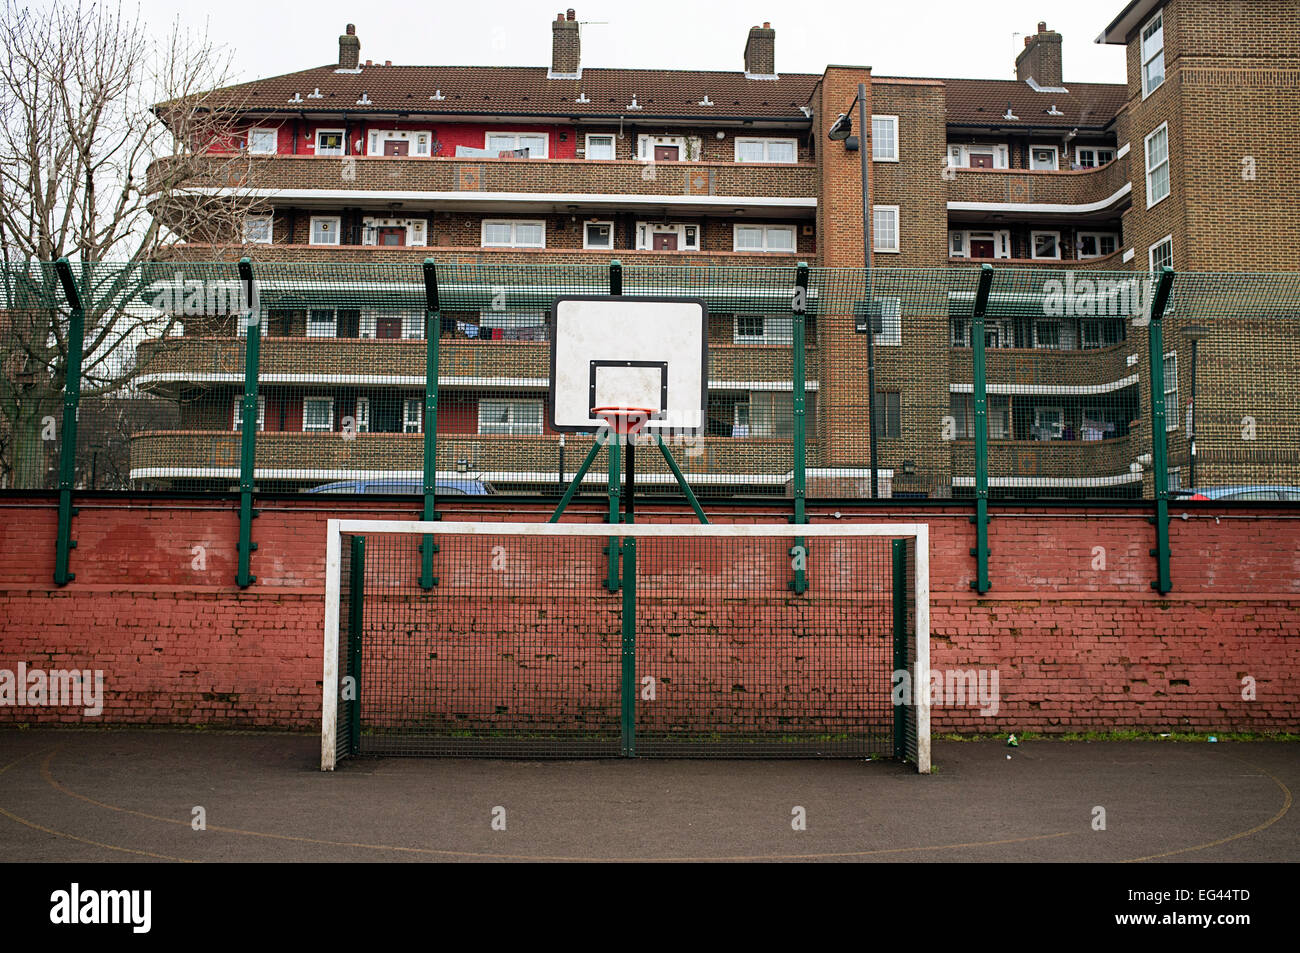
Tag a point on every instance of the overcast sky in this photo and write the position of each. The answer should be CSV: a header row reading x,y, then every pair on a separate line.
x,y
954,38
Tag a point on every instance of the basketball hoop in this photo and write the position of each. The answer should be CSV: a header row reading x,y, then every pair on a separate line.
x,y
624,421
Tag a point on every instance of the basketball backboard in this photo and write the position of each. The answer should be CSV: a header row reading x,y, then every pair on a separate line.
x,y
612,351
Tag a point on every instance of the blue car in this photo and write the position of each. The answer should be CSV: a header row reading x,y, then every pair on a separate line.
x,y
466,487
1256,493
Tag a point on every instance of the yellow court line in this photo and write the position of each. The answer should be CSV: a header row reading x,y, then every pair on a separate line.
x,y
65,790
1286,806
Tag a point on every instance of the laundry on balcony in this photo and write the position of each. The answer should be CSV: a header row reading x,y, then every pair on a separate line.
x,y
469,152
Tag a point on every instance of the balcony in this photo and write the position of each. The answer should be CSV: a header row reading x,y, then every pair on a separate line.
x,y
1042,370
1066,464
166,366
310,459
1083,195
516,184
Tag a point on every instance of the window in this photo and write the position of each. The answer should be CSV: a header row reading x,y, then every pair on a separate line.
x,y
884,138
261,413
960,332
598,235
771,414
412,415
262,142
1092,158
1045,244
600,147
1049,423
1158,165
962,408
1097,244
1161,254
318,414
1044,158
756,329
764,238
886,320
329,142
1047,334
889,416
535,143
325,229
413,325
767,150
1171,392
321,324
257,230
1153,54
514,234
513,325
361,417
1102,333
510,416
884,228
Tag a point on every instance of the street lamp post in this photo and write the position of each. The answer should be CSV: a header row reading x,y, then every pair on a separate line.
x,y
1194,333
840,130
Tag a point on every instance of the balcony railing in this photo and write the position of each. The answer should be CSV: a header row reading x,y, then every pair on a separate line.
x,y
1101,461
1046,367
1097,189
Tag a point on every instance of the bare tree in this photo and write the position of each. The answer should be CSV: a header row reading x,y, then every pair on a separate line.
x,y
107,138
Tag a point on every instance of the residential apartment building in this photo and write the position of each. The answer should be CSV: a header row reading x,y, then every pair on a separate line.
x,y
361,161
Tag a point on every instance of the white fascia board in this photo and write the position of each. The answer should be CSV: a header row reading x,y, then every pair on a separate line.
x,y
543,198
412,380
595,475
1042,209
1062,482
1048,390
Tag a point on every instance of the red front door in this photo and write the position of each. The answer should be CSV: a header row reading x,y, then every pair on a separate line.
x,y
665,242
981,249
392,235
388,326
397,147
981,160
667,153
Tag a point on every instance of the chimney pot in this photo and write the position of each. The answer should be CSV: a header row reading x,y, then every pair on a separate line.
x,y
352,29
767,25
559,17
1042,26
388,62
571,14
1027,39
369,63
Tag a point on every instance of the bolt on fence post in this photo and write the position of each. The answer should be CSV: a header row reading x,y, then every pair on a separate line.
x,y
64,543
252,319
1159,433
798,354
432,333
979,386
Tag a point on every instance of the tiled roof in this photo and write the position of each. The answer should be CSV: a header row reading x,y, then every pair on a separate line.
x,y
983,102
511,89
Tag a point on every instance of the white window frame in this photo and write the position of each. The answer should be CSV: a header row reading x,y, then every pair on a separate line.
x,y
875,229
766,231
765,142
270,130
1057,434
1165,163
775,330
1060,335
415,229
1033,245
514,224
1151,252
613,145
413,325
410,420
889,121
420,140
361,415
483,404
645,147
317,398
268,220
646,231
343,142
1099,236
1095,152
1147,59
891,323
544,136
959,155
368,326
338,229
1001,242
1056,158
333,322
236,417
1171,387
586,244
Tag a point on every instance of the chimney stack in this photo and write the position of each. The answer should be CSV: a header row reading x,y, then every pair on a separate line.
x,y
760,51
349,48
566,47
1040,60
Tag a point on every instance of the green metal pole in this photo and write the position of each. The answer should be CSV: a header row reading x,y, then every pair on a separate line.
x,y
64,544
613,548
681,479
577,478
356,621
980,387
248,427
799,386
628,747
1159,436
899,547
432,333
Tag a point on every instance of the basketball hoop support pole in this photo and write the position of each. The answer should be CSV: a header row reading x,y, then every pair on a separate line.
x,y
613,547
578,477
432,334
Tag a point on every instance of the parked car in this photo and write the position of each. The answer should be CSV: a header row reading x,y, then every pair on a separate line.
x,y
1258,493
465,487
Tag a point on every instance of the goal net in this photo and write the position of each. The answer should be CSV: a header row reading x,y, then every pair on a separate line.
x,y
625,640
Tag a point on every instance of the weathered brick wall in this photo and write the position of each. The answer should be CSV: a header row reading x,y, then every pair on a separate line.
x,y
1078,637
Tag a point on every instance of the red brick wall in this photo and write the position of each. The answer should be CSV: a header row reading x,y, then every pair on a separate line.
x,y
1077,646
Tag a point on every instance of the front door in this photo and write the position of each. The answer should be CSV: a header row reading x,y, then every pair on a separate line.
x,y
665,241
981,160
981,249
392,235
388,326
667,153
397,147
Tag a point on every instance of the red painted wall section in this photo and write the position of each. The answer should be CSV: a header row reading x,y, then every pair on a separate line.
x,y
1077,636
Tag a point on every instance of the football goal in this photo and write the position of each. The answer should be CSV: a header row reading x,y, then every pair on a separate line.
x,y
625,640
